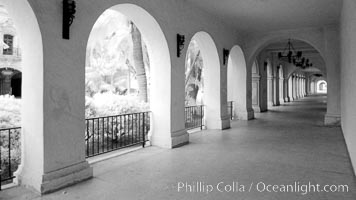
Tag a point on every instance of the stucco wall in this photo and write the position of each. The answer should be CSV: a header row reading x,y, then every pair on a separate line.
x,y
348,74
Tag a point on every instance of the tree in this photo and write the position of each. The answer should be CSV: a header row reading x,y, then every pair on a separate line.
x,y
194,75
139,62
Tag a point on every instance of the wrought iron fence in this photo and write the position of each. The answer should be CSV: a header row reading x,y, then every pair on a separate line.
x,y
10,154
230,109
106,134
194,117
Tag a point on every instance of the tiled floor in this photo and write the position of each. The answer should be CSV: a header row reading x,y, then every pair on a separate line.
x,y
287,146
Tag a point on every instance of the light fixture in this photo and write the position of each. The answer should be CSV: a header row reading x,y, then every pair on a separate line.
x,y
180,44
225,55
290,55
68,16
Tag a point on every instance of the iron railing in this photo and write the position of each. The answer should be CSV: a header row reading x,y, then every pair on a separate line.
x,y
230,109
10,153
106,134
194,117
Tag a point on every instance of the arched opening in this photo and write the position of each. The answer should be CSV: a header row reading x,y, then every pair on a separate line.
x,y
282,81
211,77
31,57
236,82
321,87
135,42
10,102
194,87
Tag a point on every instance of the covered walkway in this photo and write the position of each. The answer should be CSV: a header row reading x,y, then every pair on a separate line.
x,y
286,146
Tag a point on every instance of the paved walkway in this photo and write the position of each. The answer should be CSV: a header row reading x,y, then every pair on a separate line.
x,y
287,147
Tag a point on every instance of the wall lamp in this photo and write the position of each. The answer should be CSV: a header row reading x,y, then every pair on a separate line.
x,y
68,16
225,55
180,44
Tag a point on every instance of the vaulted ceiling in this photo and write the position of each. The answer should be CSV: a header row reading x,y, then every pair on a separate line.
x,y
268,15
309,52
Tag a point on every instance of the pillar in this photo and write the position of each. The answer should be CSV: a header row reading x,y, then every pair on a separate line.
x,y
256,92
297,87
294,87
281,90
290,89
270,91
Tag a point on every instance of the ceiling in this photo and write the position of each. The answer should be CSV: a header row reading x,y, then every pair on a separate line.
x,y
308,51
269,15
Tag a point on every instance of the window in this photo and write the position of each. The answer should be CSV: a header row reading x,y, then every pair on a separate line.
x,y
8,48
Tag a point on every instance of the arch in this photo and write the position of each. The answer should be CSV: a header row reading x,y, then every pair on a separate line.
x,y
160,71
255,68
236,82
314,40
32,139
211,69
321,86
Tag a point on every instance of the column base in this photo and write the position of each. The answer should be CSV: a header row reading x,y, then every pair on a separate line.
x,y
245,115
61,178
270,104
256,109
225,123
178,138
286,100
332,119
281,100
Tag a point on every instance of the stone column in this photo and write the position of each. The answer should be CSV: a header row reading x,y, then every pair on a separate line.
x,y
256,92
297,87
290,89
270,91
276,90
304,92
281,90
286,90
294,88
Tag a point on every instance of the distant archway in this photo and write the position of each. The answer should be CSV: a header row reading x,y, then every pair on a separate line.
x,y
321,87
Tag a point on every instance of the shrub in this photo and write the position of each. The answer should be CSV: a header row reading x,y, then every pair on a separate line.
x,y
107,104
10,111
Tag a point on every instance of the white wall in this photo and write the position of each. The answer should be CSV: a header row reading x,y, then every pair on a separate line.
x,y
348,74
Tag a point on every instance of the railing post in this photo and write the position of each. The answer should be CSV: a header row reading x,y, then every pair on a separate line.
x,y
201,117
10,153
0,166
143,131
231,110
